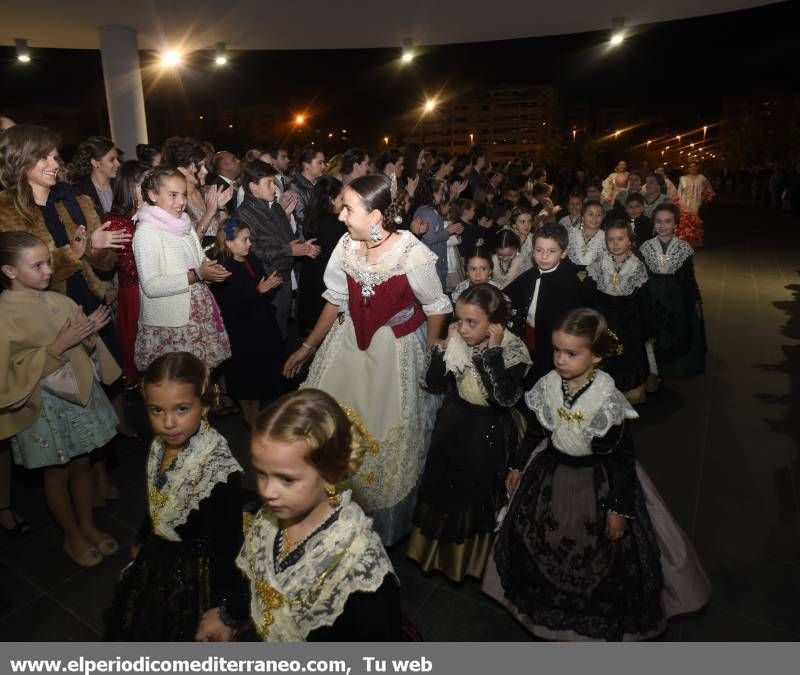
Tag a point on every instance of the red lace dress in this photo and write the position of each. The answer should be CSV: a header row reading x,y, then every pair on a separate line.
x,y
127,297
373,361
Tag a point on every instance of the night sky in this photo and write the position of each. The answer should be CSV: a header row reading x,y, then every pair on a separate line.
x,y
694,61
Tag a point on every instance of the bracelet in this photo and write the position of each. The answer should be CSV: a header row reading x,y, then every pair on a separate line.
x,y
308,346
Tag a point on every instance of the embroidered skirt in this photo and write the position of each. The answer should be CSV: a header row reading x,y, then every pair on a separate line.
x,y
563,579
204,335
65,430
162,595
462,488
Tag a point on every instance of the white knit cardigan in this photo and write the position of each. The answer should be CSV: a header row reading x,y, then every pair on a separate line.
x,y
163,261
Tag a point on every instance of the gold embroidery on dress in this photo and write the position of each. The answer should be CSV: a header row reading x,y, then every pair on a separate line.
x,y
158,500
570,416
247,522
270,599
372,445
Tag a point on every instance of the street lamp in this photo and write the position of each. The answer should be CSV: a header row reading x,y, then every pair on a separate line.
x,y
299,119
574,134
617,31
705,129
430,105
386,140
220,57
23,53
408,51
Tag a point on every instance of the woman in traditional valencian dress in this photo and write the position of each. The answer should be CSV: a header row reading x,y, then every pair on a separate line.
x,y
373,356
693,189
615,181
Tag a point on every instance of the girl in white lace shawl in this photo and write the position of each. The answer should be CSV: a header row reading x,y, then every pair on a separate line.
x,y
184,558
587,549
621,279
315,568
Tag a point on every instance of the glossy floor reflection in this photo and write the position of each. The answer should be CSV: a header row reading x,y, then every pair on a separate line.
x,y
722,449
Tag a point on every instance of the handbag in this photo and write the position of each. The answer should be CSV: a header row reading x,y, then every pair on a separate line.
x,y
63,383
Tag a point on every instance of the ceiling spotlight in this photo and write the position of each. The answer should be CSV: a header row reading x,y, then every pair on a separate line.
x,y
170,58
220,56
299,119
408,50
430,105
23,53
617,31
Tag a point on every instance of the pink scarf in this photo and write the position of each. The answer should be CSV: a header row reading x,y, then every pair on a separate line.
x,y
165,221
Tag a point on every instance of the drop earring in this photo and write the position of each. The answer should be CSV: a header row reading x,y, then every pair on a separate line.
x,y
374,234
333,499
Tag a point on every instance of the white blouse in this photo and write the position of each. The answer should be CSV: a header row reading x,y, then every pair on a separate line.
x,y
407,256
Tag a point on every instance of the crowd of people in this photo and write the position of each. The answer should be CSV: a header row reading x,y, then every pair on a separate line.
x,y
431,352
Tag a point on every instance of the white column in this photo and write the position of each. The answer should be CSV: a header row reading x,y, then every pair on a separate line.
x,y
119,52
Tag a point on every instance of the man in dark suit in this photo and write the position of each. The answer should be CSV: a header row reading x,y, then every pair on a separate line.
x,y
228,168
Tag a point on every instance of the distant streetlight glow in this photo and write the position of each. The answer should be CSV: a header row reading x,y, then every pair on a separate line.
x,y
330,135
299,119
386,140
23,53
407,57
472,139
220,60
408,50
705,129
574,134
170,58
220,56
617,31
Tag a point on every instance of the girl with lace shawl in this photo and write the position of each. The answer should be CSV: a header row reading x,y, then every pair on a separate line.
x,y
674,304
184,559
588,549
315,569
587,241
462,489
507,261
620,277
372,357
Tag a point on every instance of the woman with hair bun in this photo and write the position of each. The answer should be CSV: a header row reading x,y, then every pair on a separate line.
x,y
93,168
382,285
588,549
315,569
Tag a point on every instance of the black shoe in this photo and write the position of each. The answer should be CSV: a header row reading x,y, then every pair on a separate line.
x,y
20,528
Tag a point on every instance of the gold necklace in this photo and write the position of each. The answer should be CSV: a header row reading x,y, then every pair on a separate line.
x,y
287,544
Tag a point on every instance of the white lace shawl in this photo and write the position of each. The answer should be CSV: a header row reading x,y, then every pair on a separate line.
x,y
632,275
344,558
409,256
462,286
581,252
517,267
198,468
458,360
599,408
665,263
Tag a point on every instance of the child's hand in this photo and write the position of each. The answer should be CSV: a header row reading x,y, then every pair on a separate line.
x,y
496,332
512,481
211,628
615,526
418,226
268,283
455,228
73,332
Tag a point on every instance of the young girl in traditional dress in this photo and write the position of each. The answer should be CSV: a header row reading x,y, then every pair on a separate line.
x,y
184,559
178,312
462,489
574,212
620,277
315,568
253,373
675,307
395,311
480,268
522,224
587,549
50,403
508,263
587,241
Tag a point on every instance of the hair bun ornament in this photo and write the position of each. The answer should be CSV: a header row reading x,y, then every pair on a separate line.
x,y
398,219
372,445
618,347
229,227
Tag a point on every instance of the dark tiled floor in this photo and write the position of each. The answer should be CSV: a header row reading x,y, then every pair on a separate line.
x,y
722,448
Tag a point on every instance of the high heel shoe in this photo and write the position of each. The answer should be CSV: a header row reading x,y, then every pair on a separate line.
x,y
20,528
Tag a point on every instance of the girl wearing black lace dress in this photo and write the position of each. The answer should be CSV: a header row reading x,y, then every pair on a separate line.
x,y
587,549
462,487
184,561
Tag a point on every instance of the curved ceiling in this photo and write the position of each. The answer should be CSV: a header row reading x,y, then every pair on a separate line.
x,y
330,24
